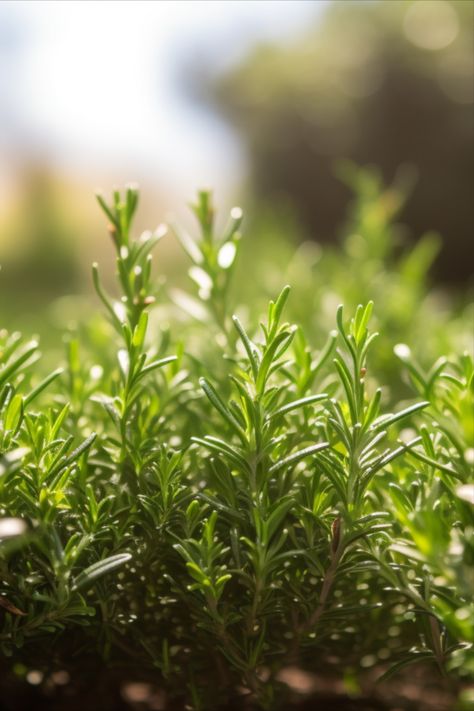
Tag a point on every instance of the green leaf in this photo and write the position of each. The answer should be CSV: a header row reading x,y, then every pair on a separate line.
x,y
250,348
188,244
83,447
14,414
361,322
434,463
218,445
276,310
276,517
14,366
42,385
276,348
411,659
156,364
297,457
297,404
221,407
387,420
103,297
97,570
106,209
140,331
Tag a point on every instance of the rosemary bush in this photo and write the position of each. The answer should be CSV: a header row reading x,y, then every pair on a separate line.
x,y
206,506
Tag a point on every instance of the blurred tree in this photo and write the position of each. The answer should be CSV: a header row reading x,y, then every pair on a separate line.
x,y
382,83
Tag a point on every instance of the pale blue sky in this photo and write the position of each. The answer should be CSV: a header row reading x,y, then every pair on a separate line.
x,y
90,86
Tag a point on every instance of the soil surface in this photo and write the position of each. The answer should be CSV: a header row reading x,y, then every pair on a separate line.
x,y
113,690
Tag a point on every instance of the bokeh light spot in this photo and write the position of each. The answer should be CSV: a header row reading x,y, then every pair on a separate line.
x,y
431,24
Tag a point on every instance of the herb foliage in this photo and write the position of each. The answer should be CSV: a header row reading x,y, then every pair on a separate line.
x,y
261,506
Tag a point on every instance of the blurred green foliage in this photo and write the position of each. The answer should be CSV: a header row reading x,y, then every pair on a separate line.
x,y
39,242
373,260
382,83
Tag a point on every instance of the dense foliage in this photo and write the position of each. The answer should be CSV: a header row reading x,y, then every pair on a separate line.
x,y
217,500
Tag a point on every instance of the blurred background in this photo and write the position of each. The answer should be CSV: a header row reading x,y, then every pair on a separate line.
x,y
266,101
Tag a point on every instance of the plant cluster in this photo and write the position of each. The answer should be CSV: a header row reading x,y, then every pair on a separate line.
x,y
217,515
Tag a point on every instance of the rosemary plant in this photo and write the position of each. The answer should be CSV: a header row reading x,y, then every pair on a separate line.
x,y
206,524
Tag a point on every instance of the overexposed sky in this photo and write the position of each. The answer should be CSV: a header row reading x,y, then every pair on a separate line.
x,y
93,85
